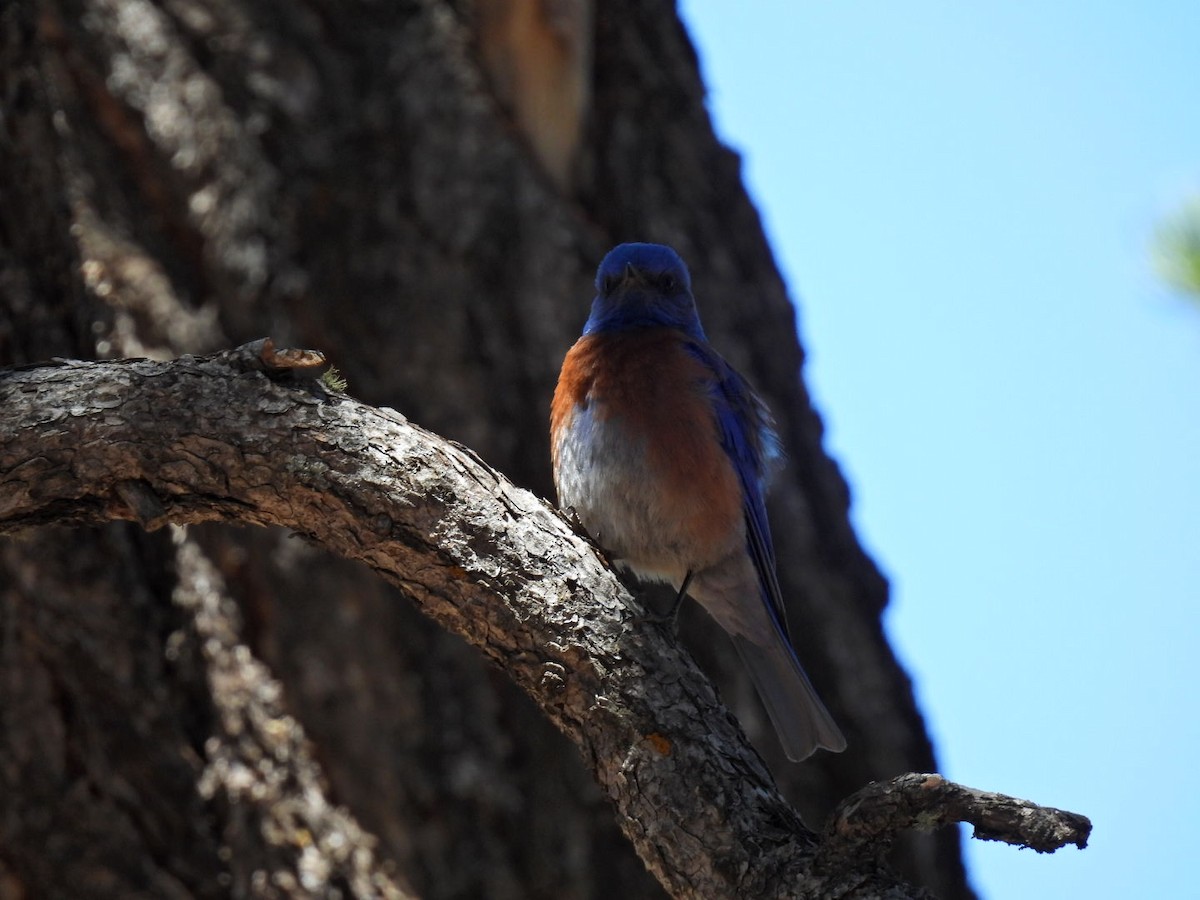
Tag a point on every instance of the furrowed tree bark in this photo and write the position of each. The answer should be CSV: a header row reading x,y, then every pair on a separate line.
x,y
88,443
421,188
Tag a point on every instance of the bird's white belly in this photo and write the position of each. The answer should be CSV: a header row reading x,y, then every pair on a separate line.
x,y
602,475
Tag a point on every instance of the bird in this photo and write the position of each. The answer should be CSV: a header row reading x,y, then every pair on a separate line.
x,y
661,451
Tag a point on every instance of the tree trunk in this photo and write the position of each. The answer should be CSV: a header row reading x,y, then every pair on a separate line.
x,y
380,181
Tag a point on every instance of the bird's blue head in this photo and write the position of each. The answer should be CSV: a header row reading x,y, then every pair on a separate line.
x,y
643,286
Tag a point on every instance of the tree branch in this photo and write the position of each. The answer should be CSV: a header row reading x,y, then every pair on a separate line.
x,y
200,439
866,821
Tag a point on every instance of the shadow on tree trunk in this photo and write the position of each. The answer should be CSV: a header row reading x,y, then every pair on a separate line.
x,y
376,181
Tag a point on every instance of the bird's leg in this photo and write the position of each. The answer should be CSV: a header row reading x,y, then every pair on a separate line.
x,y
576,523
671,615
572,517
673,612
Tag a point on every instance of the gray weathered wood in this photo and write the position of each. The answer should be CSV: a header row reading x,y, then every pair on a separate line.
x,y
196,440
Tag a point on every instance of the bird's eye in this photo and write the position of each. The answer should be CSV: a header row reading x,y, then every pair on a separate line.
x,y
609,283
667,283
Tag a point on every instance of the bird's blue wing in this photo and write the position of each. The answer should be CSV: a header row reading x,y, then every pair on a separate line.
x,y
748,437
799,716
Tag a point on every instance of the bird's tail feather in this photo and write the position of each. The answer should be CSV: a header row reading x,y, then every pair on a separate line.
x,y
800,718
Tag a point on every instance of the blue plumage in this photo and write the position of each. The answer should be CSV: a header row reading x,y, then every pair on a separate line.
x,y
663,452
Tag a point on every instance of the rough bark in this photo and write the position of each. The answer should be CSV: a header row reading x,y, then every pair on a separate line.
x,y
88,442
376,180
865,823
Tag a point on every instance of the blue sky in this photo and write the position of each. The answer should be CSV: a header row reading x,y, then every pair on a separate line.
x,y
962,198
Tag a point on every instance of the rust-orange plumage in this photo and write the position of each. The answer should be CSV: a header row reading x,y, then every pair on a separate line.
x,y
661,450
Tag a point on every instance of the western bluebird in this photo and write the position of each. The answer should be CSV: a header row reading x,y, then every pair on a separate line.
x,y
662,449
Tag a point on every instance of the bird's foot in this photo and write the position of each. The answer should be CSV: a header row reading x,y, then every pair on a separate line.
x,y
671,616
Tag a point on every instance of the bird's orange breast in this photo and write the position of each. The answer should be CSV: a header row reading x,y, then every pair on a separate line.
x,y
647,387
